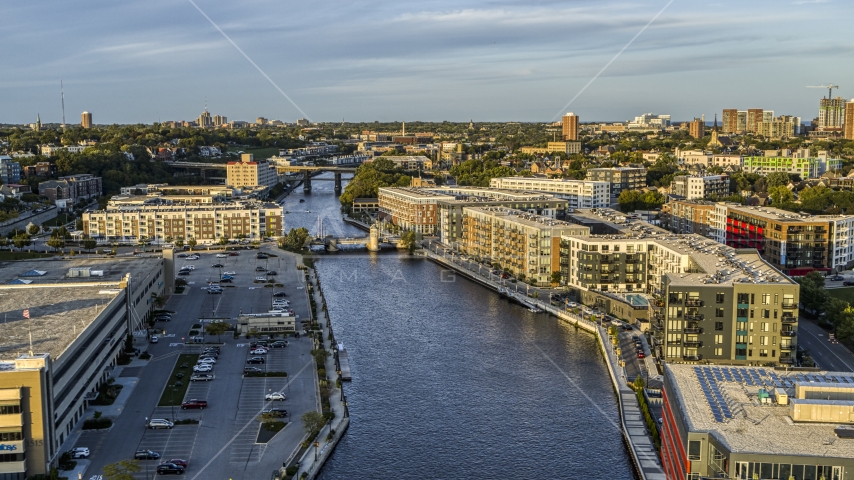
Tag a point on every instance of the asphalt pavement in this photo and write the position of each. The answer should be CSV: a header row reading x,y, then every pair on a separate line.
x,y
828,356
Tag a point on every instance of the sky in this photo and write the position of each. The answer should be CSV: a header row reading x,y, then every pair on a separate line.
x,y
431,60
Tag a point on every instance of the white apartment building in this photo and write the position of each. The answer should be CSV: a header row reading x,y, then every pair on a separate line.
x,y
842,238
206,223
249,173
579,193
696,187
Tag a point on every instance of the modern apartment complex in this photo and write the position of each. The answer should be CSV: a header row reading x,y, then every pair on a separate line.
x,y
71,189
249,173
783,126
10,170
83,311
526,245
756,423
831,113
620,178
688,216
206,223
713,303
810,167
693,187
579,193
570,127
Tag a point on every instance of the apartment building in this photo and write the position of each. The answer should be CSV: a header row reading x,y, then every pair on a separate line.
x,y
810,167
570,127
620,178
688,216
754,422
579,193
848,125
697,128
693,187
712,303
249,173
10,170
784,126
554,147
71,189
526,245
206,223
413,209
82,310
831,113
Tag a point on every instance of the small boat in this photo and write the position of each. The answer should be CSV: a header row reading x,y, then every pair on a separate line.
x,y
534,310
301,200
308,211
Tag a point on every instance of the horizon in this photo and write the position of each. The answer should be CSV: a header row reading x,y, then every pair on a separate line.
x,y
498,61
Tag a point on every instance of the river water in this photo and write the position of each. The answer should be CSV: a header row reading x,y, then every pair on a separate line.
x,y
452,381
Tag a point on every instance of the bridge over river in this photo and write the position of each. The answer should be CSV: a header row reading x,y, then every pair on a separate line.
x,y
311,171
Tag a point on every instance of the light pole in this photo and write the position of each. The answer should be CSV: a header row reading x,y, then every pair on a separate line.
x,y
171,402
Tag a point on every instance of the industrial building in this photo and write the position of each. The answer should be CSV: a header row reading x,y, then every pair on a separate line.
x,y
66,324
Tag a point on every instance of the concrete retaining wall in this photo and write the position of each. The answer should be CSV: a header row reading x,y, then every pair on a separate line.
x,y
21,222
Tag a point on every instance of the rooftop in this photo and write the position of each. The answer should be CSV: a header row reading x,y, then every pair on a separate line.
x,y
528,219
750,426
60,307
778,215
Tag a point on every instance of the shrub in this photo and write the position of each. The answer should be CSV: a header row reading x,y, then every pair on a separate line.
x,y
291,471
196,326
145,356
97,424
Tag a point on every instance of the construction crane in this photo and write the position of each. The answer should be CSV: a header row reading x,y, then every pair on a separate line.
x,y
828,87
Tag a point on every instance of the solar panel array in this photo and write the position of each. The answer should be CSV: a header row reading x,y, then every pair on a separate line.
x,y
710,377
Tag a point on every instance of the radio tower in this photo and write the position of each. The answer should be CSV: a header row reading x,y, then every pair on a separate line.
x,y
62,92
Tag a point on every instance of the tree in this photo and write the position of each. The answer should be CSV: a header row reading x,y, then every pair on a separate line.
x,y
834,310
33,229
56,243
312,422
4,242
845,327
295,239
780,194
813,295
179,242
407,240
89,244
216,328
320,355
192,242
556,277
122,470
223,240
22,240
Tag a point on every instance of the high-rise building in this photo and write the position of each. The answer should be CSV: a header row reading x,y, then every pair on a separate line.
x,y
205,120
620,178
580,193
849,120
831,113
729,121
249,173
754,118
697,128
86,120
261,121
781,127
219,120
570,127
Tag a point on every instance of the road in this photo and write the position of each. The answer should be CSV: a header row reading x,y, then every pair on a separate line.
x,y
828,356
223,444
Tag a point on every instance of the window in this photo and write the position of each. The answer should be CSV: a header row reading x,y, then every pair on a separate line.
x,y
741,339
719,312
693,450
751,312
7,409
719,339
719,352
766,299
763,340
719,297
752,298
763,352
719,326
743,298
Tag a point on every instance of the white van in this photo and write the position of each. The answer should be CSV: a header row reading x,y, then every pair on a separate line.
x,y
159,423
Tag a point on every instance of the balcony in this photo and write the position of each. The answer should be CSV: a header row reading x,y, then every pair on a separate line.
x,y
788,333
692,358
694,302
791,319
692,330
694,316
675,300
787,360
693,343
790,306
786,348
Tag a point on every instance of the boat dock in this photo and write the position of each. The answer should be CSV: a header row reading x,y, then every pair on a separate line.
x,y
344,364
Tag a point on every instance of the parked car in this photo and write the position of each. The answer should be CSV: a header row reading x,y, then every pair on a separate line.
x,y
203,368
200,404
184,273
279,344
233,254
259,351
277,412
571,304
217,265
260,269
221,255
848,283
170,468
214,291
837,278
271,272
279,294
261,256
229,273
261,279
78,452
277,396
226,280
153,340
159,423
182,255
641,355
146,455
201,377
251,370
206,360
179,462
255,360
212,349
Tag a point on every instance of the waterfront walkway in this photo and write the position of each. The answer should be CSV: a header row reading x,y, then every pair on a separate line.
x,y
638,439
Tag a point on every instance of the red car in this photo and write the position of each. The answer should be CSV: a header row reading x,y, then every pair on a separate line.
x,y
179,462
233,254
200,404
641,355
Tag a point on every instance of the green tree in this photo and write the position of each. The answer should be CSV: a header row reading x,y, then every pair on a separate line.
x,y
320,355
813,295
179,242
192,242
556,277
295,239
216,328
834,310
780,194
4,242
407,240
56,243
776,179
122,470
630,200
89,244
312,423
223,240
22,240
33,229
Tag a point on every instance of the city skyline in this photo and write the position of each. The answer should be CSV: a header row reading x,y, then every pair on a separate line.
x,y
499,61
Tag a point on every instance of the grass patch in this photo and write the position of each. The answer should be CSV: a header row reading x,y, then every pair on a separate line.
x,y
59,220
269,430
8,256
107,394
844,293
183,366
263,152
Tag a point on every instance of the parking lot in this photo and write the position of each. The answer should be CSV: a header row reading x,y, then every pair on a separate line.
x,y
223,443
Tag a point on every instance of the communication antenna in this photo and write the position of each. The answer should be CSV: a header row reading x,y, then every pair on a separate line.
x,y
62,92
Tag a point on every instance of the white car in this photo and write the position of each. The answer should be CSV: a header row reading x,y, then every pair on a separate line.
x,y
572,304
281,304
79,452
261,279
259,351
193,257
203,368
190,267
205,360
229,273
274,396
221,255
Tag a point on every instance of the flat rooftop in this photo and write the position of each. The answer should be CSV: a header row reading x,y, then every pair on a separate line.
x,y
778,215
752,427
526,218
59,308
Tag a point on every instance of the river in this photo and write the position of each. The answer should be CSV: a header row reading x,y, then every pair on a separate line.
x,y
452,381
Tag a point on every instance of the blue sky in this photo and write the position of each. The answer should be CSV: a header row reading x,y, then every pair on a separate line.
x,y
433,60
